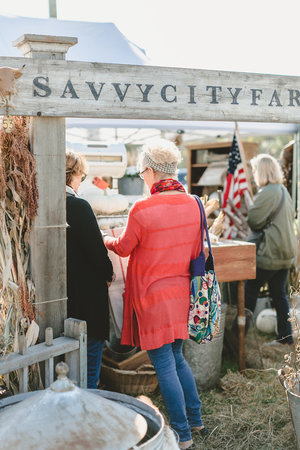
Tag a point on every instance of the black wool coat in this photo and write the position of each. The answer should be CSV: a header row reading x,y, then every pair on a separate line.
x,y
88,268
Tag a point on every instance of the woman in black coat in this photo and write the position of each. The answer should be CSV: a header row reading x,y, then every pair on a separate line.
x,y
89,269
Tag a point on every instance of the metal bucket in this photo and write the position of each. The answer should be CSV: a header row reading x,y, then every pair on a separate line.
x,y
205,359
294,405
155,434
131,186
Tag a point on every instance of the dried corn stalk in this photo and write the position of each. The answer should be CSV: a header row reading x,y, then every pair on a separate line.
x,y
18,207
291,371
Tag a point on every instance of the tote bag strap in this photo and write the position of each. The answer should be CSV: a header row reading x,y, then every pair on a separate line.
x,y
209,263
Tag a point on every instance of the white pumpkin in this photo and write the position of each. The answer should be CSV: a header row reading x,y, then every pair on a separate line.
x,y
266,321
102,202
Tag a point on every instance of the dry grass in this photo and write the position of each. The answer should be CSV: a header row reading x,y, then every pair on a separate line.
x,y
247,411
18,207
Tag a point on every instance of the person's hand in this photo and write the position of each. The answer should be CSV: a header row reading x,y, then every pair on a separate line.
x,y
112,279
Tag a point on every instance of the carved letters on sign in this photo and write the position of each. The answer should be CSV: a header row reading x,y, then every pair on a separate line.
x,y
42,88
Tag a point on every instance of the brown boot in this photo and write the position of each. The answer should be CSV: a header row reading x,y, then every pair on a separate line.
x,y
202,430
186,444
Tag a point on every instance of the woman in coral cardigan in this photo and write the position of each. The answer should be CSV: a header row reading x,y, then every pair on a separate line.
x,y
162,237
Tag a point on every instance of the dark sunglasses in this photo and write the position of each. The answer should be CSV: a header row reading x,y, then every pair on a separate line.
x,y
83,177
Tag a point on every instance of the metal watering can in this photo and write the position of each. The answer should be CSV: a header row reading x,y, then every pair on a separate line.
x,y
294,404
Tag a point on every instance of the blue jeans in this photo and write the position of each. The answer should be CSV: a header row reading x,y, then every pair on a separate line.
x,y
178,388
276,280
94,358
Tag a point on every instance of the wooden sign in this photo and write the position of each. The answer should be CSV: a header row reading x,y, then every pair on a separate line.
x,y
81,89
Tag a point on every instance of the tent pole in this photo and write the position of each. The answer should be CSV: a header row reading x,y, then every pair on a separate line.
x,y
52,9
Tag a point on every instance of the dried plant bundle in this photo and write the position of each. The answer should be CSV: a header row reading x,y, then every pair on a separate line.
x,y
291,371
18,207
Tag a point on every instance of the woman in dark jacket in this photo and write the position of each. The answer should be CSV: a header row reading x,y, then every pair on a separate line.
x,y
276,253
89,269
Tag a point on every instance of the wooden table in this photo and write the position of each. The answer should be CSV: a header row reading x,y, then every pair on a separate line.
x,y
236,261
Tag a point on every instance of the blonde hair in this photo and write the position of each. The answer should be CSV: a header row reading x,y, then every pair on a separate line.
x,y
266,169
75,165
160,154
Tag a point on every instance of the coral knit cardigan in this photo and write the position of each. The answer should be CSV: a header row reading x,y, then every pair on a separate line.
x,y
162,236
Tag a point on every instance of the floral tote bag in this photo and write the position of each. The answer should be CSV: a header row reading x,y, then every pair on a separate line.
x,y
205,298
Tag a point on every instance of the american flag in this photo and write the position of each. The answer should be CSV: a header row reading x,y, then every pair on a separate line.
x,y
236,181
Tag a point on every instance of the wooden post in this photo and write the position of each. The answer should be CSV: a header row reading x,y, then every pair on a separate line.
x,y
22,344
295,183
48,239
77,360
23,380
296,168
241,325
49,363
52,9
23,373
49,337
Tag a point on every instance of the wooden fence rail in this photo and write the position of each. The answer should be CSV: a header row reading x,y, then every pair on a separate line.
x,y
72,345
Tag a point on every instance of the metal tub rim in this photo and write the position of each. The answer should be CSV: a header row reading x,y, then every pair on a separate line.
x,y
153,417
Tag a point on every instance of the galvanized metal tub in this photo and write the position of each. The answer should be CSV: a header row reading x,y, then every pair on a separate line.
x,y
155,434
294,405
131,186
205,359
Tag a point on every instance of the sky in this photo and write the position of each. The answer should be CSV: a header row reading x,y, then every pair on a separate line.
x,y
259,36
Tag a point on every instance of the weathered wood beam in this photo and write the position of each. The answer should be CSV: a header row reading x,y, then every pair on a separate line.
x,y
89,89
38,353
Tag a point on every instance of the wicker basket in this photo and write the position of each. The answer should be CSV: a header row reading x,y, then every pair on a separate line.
x,y
143,380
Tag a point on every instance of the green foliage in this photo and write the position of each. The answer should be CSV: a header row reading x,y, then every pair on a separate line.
x,y
271,144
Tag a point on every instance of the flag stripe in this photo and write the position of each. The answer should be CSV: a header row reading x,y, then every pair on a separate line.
x,y
235,184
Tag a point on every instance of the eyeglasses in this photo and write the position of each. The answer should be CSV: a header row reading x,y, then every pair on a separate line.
x,y
72,168
141,173
83,177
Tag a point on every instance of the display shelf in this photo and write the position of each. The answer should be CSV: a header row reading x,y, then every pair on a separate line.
x,y
200,156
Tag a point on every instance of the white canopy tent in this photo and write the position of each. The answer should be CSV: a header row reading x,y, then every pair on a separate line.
x,y
97,42
135,131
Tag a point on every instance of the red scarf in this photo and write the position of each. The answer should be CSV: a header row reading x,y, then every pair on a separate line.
x,y
167,185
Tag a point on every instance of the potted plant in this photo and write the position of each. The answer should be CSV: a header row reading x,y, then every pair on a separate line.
x,y
289,376
131,183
